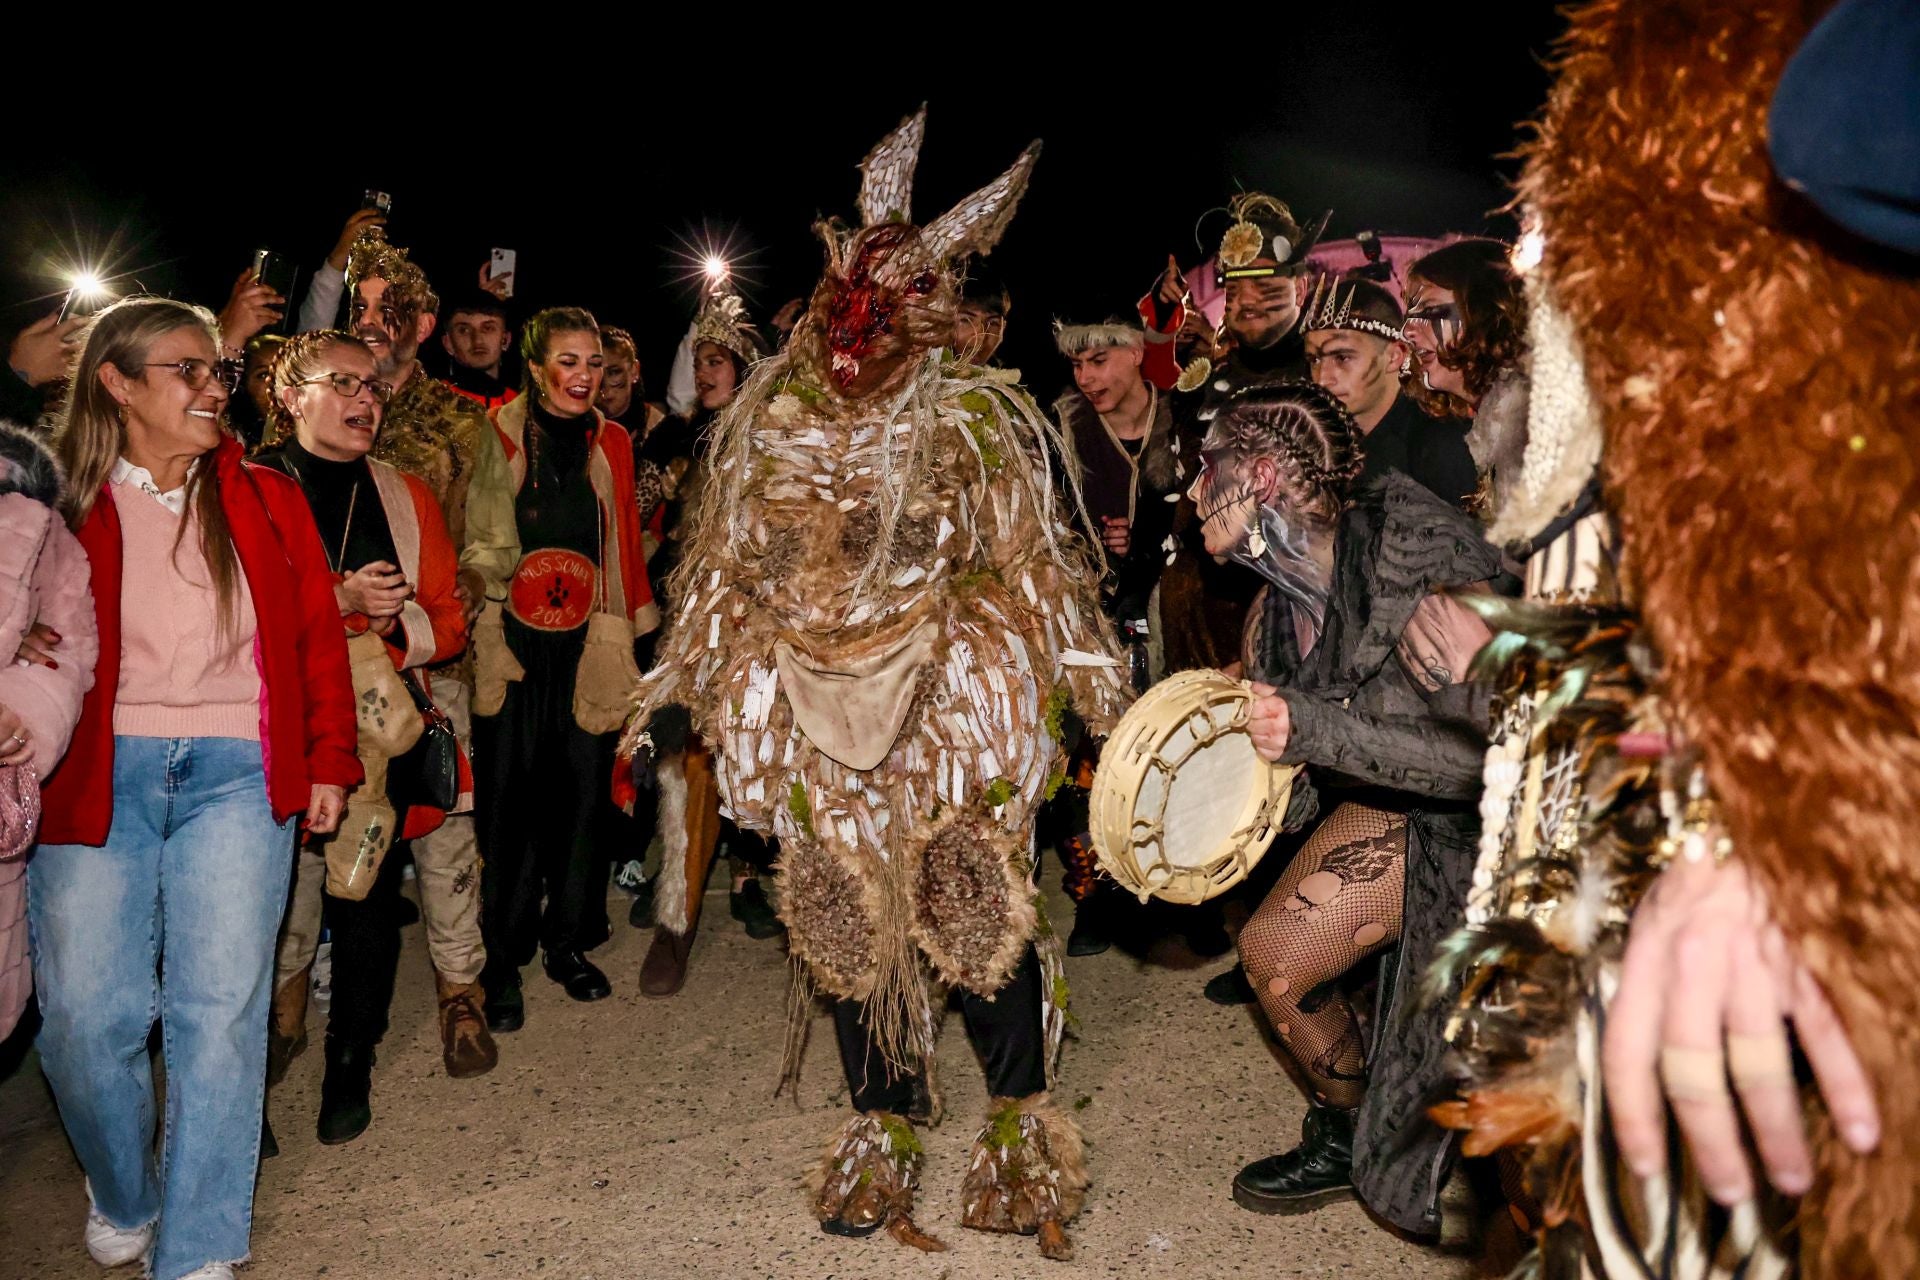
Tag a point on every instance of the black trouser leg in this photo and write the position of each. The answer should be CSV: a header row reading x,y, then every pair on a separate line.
x,y
871,1083
1006,1033
574,862
506,806
366,953
748,849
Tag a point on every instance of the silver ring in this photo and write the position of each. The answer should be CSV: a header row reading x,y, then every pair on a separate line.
x,y
17,738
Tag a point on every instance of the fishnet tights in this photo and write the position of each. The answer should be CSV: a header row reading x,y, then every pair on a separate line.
x,y
1336,904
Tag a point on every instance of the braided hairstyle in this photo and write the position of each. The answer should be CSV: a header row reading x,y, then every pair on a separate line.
x,y
299,357
1308,434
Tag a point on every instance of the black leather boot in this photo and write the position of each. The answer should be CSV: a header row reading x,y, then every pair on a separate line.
x,y
1318,1171
1230,987
579,976
1093,923
506,1005
346,1092
750,907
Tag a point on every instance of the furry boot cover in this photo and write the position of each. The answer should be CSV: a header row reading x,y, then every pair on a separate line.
x,y
689,825
866,1179
1027,1173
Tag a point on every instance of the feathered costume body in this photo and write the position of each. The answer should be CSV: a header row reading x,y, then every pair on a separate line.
x,y
1756,386
881,615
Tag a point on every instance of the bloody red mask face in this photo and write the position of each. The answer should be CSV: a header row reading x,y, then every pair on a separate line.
x,y
870,320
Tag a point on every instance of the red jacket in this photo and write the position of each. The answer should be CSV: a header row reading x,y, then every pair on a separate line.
x,y
624,559
310,734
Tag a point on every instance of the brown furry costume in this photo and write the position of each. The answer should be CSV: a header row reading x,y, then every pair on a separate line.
x,y
1760,389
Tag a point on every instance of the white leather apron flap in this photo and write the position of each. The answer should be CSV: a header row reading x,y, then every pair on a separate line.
x,y
852,711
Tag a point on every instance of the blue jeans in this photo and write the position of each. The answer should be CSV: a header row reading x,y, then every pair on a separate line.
x,y
174,917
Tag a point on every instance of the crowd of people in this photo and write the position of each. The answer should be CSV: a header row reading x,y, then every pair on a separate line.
x,y
319,596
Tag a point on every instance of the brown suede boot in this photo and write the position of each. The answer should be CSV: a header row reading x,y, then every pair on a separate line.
x,y
466,1044
664,971
287,1028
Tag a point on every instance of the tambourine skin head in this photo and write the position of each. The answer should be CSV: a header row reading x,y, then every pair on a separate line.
x,y
1182,806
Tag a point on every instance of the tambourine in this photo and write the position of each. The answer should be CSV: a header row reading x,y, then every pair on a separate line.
x,y
1182,806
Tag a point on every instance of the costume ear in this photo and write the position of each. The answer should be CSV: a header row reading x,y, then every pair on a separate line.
x,y
886,175
976,224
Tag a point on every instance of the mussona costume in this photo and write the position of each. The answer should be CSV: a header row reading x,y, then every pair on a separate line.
x,y
881,617
1746,386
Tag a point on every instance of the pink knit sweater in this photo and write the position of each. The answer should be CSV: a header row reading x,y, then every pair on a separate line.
x,y
179,678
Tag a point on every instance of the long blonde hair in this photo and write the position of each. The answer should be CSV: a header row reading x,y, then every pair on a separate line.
x,y
91,436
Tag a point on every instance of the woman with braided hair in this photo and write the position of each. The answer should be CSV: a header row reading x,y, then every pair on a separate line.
x,y
1357,653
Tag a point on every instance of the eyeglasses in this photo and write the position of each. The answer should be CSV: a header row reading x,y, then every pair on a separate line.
x,y
194,372
349,384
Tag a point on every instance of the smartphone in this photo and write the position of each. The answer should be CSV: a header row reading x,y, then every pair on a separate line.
x,y
281,274
502,265
74,304
377,200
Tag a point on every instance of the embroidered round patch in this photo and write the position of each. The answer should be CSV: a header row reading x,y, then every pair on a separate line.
x,y
552,590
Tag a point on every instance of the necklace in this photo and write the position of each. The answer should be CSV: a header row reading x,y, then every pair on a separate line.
x,y
353,500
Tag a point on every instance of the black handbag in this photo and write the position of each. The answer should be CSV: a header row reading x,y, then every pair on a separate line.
x,y
427,774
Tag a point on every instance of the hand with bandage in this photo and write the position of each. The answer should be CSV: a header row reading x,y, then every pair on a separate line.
x,y
1707,989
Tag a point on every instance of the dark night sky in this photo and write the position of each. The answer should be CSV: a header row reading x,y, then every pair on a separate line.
x,y
1393,130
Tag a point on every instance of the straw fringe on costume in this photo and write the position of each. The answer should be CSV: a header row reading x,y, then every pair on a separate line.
x,y
842,538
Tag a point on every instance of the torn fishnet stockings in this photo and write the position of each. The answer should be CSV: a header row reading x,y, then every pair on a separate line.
x,y
1338,903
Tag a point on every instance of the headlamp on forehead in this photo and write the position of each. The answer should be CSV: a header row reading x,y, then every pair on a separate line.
x,y
1221,275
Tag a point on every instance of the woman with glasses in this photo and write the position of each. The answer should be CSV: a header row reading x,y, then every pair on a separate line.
x,y
221,714
1467,325
393,567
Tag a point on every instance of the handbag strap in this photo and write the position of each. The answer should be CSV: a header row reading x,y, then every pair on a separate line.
x,y
423,700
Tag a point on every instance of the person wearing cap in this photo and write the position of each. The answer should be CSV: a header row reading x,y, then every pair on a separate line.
x,y
1354,348
1259,264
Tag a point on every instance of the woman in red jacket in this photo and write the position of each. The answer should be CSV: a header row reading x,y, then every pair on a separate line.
x,y
393,564
221,712
554,668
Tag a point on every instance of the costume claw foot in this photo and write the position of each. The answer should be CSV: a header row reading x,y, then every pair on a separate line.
x,y
866,1179
1027,1173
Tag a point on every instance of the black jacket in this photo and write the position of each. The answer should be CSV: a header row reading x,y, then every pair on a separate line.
x,y
1431,450
1365,729
1116,483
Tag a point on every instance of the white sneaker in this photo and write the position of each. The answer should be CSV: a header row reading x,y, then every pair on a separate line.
x,y
113,1246
212,1271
